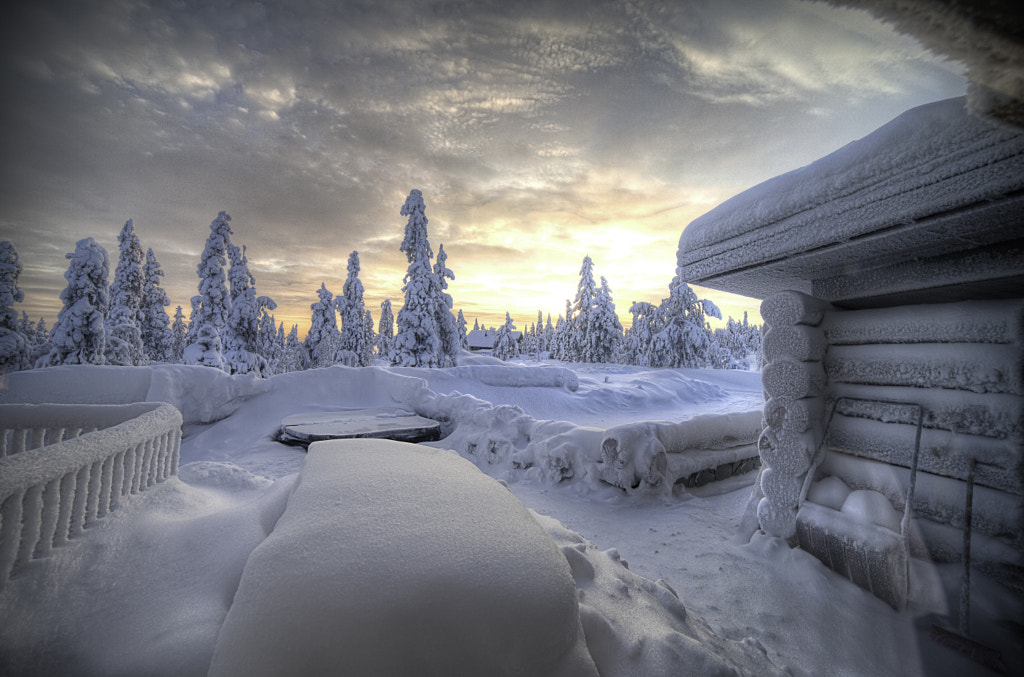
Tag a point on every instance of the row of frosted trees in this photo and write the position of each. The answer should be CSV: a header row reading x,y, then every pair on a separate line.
x,y
231,328
674,333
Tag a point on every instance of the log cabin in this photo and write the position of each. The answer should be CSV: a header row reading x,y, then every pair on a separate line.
x,y
892,280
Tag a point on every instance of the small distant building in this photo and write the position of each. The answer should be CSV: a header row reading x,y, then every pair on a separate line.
x,y
892,279
483,339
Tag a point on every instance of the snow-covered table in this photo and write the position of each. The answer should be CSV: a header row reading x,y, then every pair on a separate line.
x,y
386,423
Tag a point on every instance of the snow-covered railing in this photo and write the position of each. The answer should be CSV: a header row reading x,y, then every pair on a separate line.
x,y
65,466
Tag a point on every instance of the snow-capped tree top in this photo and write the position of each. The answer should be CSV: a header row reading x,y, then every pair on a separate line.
x,y
415,244
126,288
87,275
353,289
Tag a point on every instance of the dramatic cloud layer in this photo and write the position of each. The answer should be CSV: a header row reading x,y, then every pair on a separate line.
x,y
539,132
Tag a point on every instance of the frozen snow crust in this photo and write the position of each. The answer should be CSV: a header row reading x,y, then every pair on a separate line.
x,y
393,558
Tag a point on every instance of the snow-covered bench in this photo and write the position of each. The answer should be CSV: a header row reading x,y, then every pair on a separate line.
x,y
64,466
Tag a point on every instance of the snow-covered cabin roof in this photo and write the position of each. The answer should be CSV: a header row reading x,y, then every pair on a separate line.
x,y
933,200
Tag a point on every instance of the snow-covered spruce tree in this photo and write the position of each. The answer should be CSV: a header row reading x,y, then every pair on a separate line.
x,y
558,339
14,345
605,334
386,331
38,343
157,340
636,348
179,330
323,336
369,340
447,324
505,347
353,311
124,330
212,304
268,346
579,341
79,336
296,357
684,340
462,324
242,333
418,341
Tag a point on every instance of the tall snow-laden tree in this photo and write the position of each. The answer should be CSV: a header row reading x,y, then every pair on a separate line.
x,y
582,325
446,321
14,345
296,357
124,328
212,305
462,324
369,340
386,331
179,330
605,334
268,346
353,311
684,340
323,337
637,342
418,341
79,336
505,347
157,339
39,343
242,331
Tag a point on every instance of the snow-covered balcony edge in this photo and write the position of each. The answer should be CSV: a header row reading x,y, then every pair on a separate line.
x,y
892,279
62,467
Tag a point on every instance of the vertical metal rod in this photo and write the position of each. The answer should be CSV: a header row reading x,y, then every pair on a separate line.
x,y
905,521
965,583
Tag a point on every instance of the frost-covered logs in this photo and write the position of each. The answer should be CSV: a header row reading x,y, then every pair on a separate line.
x,y
961,363
794,381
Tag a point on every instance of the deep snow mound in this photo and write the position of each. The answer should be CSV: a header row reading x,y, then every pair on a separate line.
x,y
393,558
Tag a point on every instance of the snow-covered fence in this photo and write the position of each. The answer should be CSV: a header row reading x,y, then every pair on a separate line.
x,y
698,450
63,467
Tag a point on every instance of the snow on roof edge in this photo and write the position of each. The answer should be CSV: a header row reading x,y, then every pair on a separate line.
x,y
930,158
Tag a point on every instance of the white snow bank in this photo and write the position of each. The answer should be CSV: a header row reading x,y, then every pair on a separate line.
x,y
508,376
635,626
218,475
201,394
145,592
392,558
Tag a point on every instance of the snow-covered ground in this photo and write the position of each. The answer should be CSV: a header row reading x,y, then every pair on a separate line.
x,y
146,590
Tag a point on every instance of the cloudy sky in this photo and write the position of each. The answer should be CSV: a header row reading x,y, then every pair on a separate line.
x,y
539,132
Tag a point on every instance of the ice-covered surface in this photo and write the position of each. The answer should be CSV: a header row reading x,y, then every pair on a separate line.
x,y
931,160
147,588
